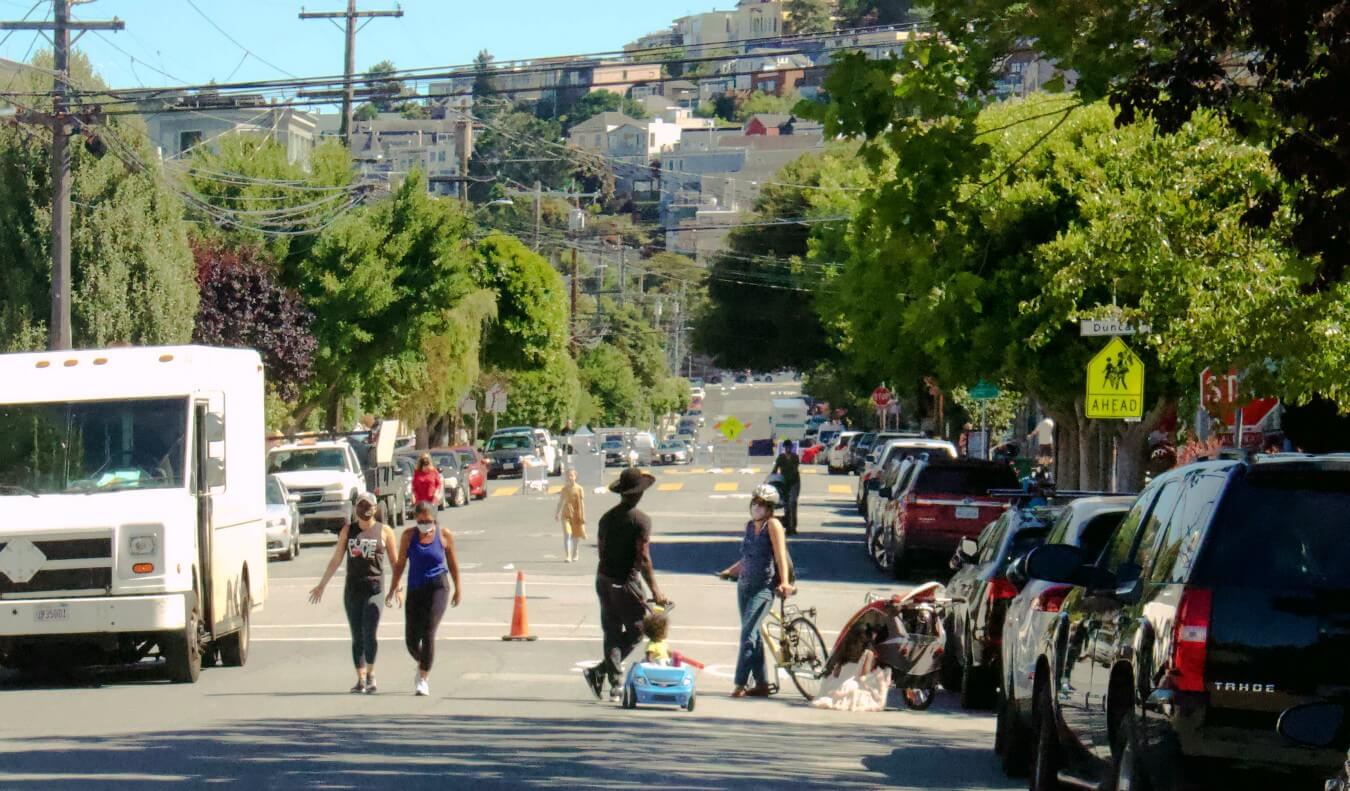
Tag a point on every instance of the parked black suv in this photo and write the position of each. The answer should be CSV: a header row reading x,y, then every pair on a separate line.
x,y
1221,600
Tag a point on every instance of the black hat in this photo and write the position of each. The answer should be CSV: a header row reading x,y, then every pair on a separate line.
x,y
632,481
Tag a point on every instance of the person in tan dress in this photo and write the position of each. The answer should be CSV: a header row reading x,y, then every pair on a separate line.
x,y
572,513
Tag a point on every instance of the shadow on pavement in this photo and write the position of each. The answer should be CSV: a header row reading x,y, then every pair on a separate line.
x,y
596,747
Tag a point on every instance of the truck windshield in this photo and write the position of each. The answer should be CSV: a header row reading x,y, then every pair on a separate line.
x,y
92,446
307,459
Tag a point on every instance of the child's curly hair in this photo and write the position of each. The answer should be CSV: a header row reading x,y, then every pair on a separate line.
x,y
655,626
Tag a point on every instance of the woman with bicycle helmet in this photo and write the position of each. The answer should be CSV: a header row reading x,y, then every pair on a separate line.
x,y
761,572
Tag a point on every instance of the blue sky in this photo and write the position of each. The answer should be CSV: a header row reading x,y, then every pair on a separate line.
x,y
170,36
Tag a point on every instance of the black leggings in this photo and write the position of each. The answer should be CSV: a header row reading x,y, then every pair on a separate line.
x,y
364,599
426,605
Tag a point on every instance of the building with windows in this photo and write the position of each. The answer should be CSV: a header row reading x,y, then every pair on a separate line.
x,y
390,147
751,19
176,134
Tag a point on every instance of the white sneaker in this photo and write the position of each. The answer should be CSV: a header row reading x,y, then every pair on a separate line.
x,y
422,688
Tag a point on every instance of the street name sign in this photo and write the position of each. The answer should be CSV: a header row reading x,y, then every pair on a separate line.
x,y
1095,327
731,428
984,391
468,405
1115,384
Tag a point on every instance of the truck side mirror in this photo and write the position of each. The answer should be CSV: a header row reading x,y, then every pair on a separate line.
x,y
1056,563
215,427
215,472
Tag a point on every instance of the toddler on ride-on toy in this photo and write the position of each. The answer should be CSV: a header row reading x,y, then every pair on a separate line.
x,y
656,680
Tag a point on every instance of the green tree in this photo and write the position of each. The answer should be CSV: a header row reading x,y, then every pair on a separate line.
x,y
132,269
870,13
607,376
449,365
808,16
380,281
759,103
596,102
531,323
522,148
545,395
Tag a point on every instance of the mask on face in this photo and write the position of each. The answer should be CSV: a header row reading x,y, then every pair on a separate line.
x,y
365,513
426,527
759,512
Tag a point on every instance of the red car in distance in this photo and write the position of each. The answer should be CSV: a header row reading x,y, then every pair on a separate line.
x,y
472,462
808,455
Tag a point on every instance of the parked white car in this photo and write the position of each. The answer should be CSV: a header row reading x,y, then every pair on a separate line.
x,y
325,474
839,458
283,521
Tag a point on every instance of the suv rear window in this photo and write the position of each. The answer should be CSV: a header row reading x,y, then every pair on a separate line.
x,y
972,481
1282,529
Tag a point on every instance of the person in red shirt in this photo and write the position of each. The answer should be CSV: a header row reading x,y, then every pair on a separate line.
x,y
426,484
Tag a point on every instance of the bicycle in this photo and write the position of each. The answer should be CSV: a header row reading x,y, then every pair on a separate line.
x,y
793,641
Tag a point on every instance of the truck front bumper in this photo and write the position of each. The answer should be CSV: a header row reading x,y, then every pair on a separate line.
x,y
116,614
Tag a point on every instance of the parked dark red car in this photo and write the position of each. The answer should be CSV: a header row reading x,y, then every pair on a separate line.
x,y
472,462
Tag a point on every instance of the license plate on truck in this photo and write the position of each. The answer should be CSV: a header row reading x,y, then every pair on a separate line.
x,y
967,512
49,614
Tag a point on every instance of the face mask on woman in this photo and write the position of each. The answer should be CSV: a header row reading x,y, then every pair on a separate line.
x,y
425,527
759,512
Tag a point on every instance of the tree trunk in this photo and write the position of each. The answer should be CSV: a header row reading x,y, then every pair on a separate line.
x,y
423,432
1132,452
333,417
1066,447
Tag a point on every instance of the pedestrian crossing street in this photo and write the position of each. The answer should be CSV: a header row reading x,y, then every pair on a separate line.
x,y
714,481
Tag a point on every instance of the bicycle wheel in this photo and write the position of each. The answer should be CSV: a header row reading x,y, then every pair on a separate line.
x,y
806,653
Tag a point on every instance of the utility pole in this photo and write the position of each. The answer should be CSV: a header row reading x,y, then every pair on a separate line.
x,y
623,275
59,334
538,211
574,301
464,146
349,68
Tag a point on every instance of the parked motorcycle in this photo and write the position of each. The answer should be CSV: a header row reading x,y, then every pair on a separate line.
x,y
906,635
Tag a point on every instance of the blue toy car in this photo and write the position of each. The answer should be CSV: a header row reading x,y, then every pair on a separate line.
x,y
666,685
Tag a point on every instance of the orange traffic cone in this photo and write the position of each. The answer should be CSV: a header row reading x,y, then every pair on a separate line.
x,y
520,622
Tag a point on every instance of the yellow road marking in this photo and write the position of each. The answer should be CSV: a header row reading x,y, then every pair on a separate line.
x,y
699,470
840,488
726,487
505,491
810,471
669,487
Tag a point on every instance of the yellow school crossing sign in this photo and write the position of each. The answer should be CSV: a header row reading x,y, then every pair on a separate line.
x,y
731,428
1115,383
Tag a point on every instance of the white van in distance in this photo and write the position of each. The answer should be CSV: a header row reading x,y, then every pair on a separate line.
x,y
132,485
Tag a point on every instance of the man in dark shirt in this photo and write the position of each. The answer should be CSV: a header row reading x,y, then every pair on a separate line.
x,y
624,537
788,465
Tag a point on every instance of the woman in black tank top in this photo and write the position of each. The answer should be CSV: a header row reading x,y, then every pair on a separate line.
x,y
366,545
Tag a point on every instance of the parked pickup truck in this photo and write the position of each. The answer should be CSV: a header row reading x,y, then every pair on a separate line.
x,y
325,474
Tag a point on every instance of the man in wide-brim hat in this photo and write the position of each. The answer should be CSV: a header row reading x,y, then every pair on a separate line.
x,y
625,561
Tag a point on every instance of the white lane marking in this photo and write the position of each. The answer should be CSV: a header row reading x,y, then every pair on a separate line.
x,y
488,624
474,640
509,567
522,677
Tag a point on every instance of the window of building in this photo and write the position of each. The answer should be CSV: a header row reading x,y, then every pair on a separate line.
x,y
187,140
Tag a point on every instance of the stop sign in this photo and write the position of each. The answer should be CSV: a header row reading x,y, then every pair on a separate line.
x,y
881,397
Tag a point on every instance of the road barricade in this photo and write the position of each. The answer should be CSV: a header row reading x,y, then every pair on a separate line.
x,y
729,455
533,475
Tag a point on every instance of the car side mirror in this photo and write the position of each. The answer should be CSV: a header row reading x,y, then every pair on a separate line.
x,y
885,492
1056,563
968,548
1313,724
1017,571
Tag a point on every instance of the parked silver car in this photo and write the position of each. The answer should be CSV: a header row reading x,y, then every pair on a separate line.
x,y
1032,615
283,520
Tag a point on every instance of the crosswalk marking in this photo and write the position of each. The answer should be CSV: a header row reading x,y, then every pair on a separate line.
x,y
809,471
505,491
726,487
840,488
669,487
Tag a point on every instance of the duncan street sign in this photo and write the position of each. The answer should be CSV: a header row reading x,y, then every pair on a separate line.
x,y
1093,327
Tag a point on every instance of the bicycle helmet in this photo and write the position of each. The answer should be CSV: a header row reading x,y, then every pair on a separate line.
x,y
766,493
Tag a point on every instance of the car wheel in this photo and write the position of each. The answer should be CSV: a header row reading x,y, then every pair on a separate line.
x,y
1012,743
1047,759
182,651
295,545
1129,769
690,705
629,699
950,671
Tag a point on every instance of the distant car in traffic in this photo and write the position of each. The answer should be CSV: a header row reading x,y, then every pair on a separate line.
x,y
283,520
618,454
839,458
504,454
672,452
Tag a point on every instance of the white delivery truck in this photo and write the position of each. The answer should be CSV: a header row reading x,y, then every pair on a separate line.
x,y
132,488
787,419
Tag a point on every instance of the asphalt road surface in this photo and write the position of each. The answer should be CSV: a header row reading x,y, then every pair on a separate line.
x,y
508,715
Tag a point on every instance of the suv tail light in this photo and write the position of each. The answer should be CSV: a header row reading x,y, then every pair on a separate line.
x,y
1000,588
1190,640
1052,599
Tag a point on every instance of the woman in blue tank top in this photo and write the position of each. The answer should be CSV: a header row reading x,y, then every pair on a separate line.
x,y
428,552
761,573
